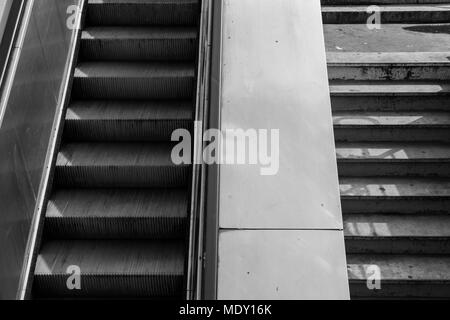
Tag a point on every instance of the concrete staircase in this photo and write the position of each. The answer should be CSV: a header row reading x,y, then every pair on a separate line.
x,y
119,206
390,92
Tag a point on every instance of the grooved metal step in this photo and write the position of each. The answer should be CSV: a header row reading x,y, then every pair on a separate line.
x,y
111,268
139,43
109,120
119,165
134,80
117,214
142,12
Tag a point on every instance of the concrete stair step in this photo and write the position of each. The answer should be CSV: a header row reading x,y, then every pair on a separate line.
x,y
139,43
133,80
389,96
395,194
397,233
142,12
389,88
402,276
390,38
110,268
109,120
388,66
119,165
117,214
404,13
393,159
392,126
392,103
398,2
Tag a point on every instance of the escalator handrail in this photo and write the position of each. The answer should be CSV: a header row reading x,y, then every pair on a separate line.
x,y
198,187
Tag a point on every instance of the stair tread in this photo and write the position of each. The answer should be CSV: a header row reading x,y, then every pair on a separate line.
x,y
388,58
416,88
103,258
390,38
391,118
129,110
400,267
392,151
138,154
137,33
394,187
388,8
133,70
118,203
396,225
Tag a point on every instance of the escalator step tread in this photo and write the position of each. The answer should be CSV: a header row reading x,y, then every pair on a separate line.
x,y
118,203
112,257
136,70
136,33
155,154
103,110
110,269
117,214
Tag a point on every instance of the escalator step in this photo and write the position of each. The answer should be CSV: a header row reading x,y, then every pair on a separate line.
x,y
111,268
133,80
138,43
119,165
142,12
126,120
117,214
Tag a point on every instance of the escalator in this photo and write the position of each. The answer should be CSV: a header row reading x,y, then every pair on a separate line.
x,y
118,212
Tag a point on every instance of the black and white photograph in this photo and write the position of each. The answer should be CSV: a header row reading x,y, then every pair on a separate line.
x,y
225,158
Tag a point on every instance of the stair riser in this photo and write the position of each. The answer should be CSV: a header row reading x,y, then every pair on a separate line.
x,y
389,72
382,245
115,228
401,290
133,88
121,177
386,168
105,14
109,286
138,50
406,205
123,130
363,2
345,133
336,17
390,103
